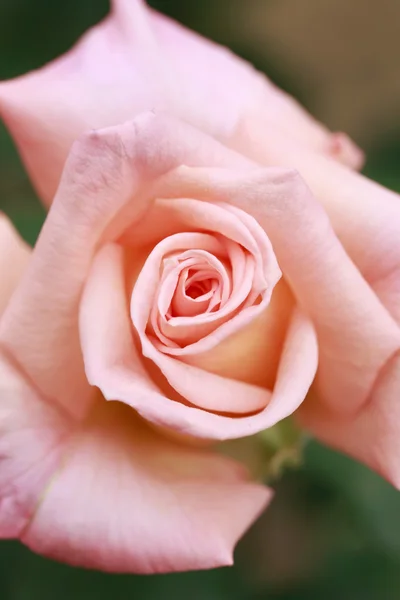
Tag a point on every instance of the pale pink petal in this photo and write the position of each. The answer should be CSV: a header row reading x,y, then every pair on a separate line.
x,y
207,390
387,289
364,215
138,60
342,148
129,500
114,495
114,365
371,434
356,333
287,118
232,90
32,435
14,256
39,327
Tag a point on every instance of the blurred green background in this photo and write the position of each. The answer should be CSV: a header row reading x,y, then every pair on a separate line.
x,y
333,530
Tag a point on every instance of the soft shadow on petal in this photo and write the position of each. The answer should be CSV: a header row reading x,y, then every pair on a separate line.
x,y
128,500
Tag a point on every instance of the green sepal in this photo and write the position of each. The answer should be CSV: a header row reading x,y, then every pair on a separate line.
x,y
269,453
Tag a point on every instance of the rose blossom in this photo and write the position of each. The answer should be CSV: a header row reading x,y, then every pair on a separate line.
x,y
153,280
156,279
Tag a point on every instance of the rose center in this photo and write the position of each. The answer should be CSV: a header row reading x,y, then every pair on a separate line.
x,y
198,289
199,284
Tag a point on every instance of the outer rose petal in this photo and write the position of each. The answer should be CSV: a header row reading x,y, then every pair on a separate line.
x,y
114,495
31,437
129,500
14,255
364,215
137,60
372,433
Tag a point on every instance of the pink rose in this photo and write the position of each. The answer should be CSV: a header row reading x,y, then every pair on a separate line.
x,y
156,280
153,280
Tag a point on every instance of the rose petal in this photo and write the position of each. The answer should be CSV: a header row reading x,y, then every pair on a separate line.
x,y
114,495
365,215
288,120
137,60
14,255
128,500
39,326
32,435
372,433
